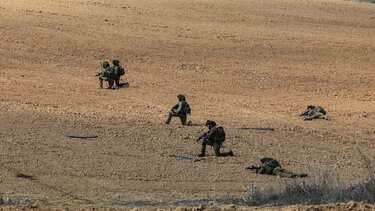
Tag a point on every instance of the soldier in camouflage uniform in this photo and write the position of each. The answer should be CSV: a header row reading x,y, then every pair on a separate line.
x,y
315,112
212,138
106,76
272,167
117,68
178,110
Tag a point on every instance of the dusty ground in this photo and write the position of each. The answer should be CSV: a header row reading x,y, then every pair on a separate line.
x,y
249,63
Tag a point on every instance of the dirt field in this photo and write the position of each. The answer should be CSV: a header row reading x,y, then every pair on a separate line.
x,y
244,63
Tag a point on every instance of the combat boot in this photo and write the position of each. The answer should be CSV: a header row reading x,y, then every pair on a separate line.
x,y
230,153
201,155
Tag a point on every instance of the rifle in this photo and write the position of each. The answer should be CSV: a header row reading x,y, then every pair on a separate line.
x,y
98,74
201,136
304,114
256,168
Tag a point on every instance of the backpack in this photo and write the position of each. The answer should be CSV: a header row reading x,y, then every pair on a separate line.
x,y
220,134
122,71
109,72
187,108
273,163
320,110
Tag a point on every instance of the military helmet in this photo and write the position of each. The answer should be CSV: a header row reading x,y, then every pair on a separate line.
x,y
210,122
310,107
105,64
263,158
115,62
181,97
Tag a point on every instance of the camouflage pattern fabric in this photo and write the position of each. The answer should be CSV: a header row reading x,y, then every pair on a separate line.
x,y
172,114
106,77
117,75
319,109
212,140
181,108
180,112
272,167
278,171
313,114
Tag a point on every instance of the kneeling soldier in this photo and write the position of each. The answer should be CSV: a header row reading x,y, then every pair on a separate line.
x,y
106,75
214,137
272,167
182,109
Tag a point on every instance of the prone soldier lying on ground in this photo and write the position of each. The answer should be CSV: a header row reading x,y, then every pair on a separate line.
x,y
315,112
272,167
214,137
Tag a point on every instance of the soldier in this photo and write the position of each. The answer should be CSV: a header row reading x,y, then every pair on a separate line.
x,y
214,137
272,167
119,71
181,110
315,112
106,75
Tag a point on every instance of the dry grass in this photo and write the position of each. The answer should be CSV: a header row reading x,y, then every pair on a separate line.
x,y
324,190
368,1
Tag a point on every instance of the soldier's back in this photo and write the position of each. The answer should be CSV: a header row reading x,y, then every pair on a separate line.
x,y
319,109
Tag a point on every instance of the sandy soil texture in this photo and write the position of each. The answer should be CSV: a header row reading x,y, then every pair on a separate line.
x,y
245,63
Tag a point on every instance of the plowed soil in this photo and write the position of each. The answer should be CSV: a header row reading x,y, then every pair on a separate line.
x,y
245,63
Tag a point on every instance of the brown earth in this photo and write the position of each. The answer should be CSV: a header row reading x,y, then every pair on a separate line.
x,y
241,63
339,206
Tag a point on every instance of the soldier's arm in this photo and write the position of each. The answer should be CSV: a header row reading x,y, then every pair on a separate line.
x,y
202,136
263,169
174,108
103,73
179,109
304,114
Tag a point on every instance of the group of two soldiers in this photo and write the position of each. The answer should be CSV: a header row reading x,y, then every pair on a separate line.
x,y
216,136
111,74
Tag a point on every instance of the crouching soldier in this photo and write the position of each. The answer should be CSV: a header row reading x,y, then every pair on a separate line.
x,y
106,75
182,109
272,167
214,137
315,112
